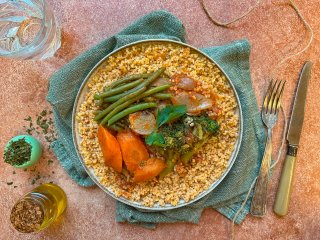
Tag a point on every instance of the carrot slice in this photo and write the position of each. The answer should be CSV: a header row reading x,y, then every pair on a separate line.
x,y
148,169
132,148
110,149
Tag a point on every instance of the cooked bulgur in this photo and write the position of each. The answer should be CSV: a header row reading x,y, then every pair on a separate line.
x,y
185,182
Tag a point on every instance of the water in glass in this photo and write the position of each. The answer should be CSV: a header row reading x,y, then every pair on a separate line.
x,y
28,29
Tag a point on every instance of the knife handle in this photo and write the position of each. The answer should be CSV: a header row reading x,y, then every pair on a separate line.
x,y
284,189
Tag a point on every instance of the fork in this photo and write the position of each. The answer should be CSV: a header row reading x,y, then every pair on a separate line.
x,y
269,115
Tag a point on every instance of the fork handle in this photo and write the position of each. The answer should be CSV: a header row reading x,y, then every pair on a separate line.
x,y
259,199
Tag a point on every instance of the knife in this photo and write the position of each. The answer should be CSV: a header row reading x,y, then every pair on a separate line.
x,y
293,137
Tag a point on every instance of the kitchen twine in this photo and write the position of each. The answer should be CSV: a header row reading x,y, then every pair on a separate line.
x,y
273,73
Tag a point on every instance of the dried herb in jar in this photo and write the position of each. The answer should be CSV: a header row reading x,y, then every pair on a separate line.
x,y
27,216
18,152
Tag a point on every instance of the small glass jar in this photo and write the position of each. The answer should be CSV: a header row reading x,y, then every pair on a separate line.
x,y
39,208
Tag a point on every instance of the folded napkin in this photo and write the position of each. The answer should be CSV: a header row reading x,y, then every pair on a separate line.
x,y
233,58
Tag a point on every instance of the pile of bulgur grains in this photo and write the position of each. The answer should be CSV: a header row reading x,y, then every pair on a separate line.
x,y
184,183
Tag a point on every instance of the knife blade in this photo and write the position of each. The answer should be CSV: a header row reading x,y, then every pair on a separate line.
x,y
297,115
293,136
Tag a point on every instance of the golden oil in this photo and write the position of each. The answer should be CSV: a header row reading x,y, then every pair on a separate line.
x,y
52,201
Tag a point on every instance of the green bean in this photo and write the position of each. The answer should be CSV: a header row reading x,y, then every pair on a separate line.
x,y
117,90
97,112
169,168
186,157
149,99
114,127
132,100
100,103
119,102
119,124
171,162
105,105
121,82
153,77
163,96
128,79
132,109
145,83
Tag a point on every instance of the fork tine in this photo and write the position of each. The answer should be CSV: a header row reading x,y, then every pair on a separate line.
x,y
280,96
267,98
276,93
272,98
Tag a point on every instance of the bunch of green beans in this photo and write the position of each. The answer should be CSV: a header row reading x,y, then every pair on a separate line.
x,y
124,85
117,99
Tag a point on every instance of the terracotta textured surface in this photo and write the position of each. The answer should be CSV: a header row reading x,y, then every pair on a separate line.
x,y
274,31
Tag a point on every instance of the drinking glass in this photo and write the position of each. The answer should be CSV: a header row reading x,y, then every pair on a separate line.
x,y
28,29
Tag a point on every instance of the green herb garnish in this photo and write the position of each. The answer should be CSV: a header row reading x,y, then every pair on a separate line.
x,y
170,113
41,125
155,139
18,152
28,119
43,113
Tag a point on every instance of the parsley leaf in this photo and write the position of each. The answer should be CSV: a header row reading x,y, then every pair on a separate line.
x,y
170,113
155,139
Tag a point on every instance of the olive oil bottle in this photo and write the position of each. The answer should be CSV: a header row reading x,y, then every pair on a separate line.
x,y
39,208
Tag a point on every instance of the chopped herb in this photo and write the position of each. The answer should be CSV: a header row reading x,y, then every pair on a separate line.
x,y
43,124
25,170
9,183
45,127
51,182
43,113
18,152
50,161
33,181
28,119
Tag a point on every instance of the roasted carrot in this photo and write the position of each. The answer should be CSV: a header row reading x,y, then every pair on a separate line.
x,y
148,169
132,148
110,149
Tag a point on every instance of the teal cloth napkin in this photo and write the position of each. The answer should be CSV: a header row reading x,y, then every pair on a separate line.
x,y
233,58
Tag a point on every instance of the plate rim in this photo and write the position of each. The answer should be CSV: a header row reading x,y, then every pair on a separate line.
x,y
136,204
